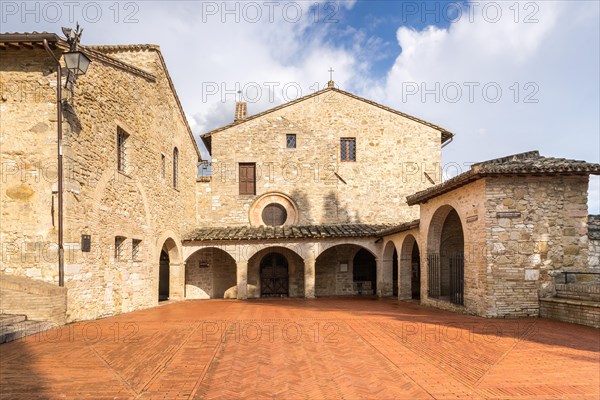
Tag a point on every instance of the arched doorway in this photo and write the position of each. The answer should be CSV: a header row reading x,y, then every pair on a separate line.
x,y
395,273
410,269
274,279
163,276
415,277
445,256
364,272
209,273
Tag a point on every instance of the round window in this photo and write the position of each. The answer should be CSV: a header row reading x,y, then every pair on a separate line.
x,y
274,215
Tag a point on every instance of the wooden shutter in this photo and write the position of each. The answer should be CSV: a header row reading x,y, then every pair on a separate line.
x,y
247,179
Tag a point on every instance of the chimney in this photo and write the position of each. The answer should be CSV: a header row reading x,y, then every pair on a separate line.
x,y
241,111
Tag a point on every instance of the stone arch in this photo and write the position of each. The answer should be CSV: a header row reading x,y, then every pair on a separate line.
x,y
251,250
389,273
334,270
169,271
295,269
445,256
320,248
106,178
209,273
410,269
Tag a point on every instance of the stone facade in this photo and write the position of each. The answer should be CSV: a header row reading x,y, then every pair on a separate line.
x,y
137,203
518,234
392,153
488,242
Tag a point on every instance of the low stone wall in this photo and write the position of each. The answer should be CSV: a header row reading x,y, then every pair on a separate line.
x,y
569,310
578,292
40,301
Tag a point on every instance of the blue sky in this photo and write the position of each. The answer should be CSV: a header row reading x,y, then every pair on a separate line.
x,y
541,57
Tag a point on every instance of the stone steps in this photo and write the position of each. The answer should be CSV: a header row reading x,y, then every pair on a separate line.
x,y
13,327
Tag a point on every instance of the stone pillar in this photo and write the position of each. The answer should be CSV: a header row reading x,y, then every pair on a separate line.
x,y
176,281
384,277
242,280
309,278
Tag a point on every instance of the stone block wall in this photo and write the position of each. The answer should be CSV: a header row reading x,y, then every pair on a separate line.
x,y
392,154
594,242
572,311
469,202
40,301
535,226
139,204
329,280
212,279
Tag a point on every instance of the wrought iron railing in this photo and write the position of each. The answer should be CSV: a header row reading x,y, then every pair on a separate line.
x,y
433,275
457,278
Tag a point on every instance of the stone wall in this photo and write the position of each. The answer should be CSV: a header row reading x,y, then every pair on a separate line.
x,y
535,226
469,202
572,311
98,199
392,154
594,242
40,301
208,274
329,279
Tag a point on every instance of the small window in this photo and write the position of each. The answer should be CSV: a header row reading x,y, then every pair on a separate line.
x,y
248,179
348,149
119,248
162,165
274,215
122,137
290,140
136,244
175,168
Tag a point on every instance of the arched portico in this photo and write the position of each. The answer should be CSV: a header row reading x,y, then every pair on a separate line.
x,y
209,273
389,279
445,256
346,269
410,269
276,271
169,277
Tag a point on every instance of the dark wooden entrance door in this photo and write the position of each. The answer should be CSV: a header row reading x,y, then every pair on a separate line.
x,y
274,276
163,276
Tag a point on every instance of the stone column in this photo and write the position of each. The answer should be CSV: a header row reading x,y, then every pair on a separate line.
x,y
384,277
309,277
242,280
176,281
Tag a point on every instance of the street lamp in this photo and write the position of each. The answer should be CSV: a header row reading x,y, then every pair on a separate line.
x,y
77,64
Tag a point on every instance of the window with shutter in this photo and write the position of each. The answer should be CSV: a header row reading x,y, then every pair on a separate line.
x,y
248,179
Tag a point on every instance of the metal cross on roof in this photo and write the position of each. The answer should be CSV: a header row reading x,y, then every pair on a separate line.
x,y
331,73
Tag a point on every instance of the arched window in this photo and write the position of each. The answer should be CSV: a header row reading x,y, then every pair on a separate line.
x,y
274,215
175,168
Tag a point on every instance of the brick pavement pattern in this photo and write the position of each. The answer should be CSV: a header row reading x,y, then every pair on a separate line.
x,y
328,348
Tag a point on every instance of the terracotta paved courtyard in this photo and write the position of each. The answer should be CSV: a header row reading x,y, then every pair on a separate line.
x,y
306,349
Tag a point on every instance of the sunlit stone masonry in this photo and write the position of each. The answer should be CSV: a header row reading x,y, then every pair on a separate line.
x,y
330,194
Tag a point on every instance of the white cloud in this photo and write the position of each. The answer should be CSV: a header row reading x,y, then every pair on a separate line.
x,y
555,61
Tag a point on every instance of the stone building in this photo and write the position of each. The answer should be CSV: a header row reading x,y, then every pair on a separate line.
x,y
130,167
331,169
328,195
